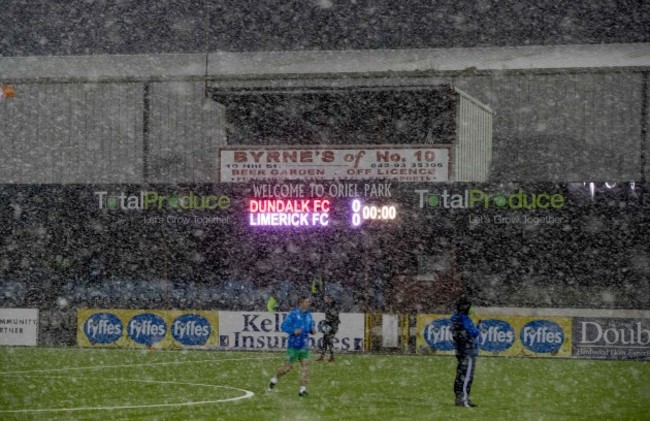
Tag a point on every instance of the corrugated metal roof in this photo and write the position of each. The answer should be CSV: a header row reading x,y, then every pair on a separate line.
x,y
282,63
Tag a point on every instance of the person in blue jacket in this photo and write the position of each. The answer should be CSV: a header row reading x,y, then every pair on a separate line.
x,y
298,324
466,340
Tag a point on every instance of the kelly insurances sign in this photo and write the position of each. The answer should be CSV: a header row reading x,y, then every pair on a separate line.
x,y
165,329
611,338
19,326
262,331
413,164
525,336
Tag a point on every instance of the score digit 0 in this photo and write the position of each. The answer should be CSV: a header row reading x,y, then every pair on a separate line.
x,y
356,212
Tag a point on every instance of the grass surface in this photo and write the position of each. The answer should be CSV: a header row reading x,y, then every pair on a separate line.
x,y
91,384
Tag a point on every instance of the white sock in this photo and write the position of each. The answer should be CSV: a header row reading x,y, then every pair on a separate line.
x,y
303,389
274,380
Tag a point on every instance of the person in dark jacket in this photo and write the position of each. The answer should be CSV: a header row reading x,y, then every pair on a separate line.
x,y
466,340
329,327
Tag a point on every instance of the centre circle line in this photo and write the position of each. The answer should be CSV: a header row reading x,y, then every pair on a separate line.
x,y
247,394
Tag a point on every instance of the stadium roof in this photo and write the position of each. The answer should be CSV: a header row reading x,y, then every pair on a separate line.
x,y
225,65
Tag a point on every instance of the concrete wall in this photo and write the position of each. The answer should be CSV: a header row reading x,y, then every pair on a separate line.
x,y
72,133
553,126
563,126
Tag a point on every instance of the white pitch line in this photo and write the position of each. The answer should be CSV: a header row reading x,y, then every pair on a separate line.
x,y
247,394
101,367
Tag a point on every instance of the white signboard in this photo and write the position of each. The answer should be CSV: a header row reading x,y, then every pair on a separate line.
x,y
18,326
402,164
390,330
262,330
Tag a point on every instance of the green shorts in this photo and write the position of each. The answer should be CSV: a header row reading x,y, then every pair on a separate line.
x,y
297,354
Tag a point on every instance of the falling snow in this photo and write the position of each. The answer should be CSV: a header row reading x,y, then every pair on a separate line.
x,y
425,151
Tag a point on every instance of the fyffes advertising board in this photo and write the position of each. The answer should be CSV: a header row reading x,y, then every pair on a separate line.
x,y
500,335
165,329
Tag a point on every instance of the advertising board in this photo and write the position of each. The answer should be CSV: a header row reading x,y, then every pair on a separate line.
x,y
425,163
499,335
19,326
165,329
262,331
611,338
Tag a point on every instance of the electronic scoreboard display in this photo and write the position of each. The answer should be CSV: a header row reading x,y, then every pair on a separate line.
x,y
350,205
353,212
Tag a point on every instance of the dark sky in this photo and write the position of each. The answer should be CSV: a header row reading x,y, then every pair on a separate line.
x,y
79,27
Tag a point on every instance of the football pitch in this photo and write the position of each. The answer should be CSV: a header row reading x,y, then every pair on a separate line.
x,y
94,384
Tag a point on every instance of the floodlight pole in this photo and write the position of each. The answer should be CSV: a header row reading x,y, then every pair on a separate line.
x,y
206,24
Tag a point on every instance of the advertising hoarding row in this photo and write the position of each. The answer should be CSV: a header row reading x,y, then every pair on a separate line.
x,y
542,336
527,336
175,329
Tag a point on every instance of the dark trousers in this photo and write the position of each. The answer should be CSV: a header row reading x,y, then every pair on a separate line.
x,y
464,377
327,344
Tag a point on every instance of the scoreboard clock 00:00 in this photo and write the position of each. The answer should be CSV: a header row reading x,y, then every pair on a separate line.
x,y
362,212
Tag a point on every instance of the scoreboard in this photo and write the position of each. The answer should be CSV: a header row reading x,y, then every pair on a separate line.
x,y
310,212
